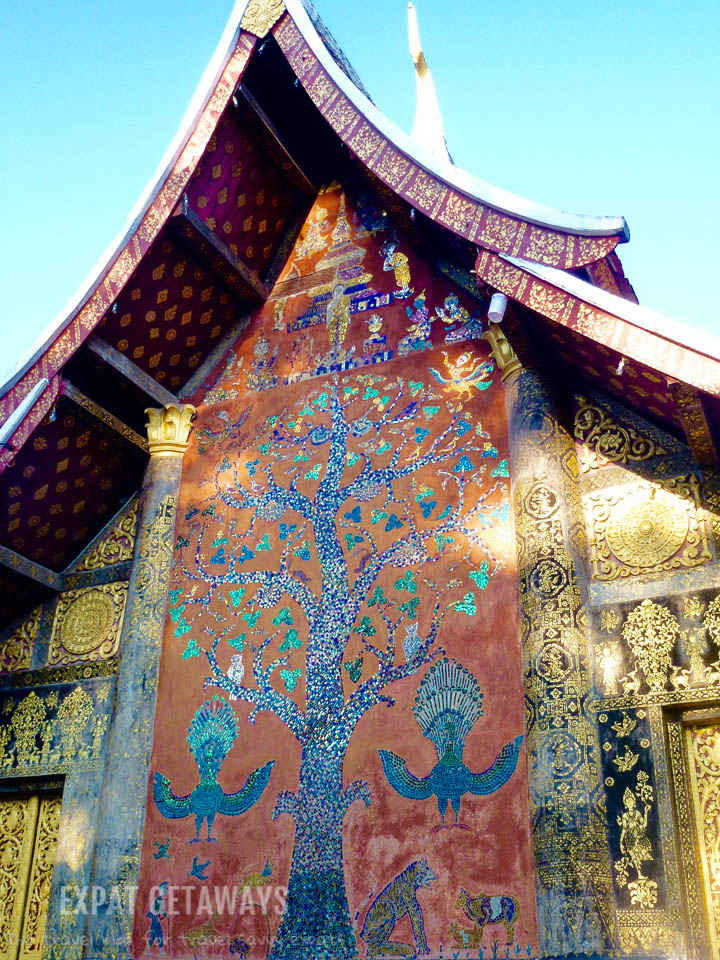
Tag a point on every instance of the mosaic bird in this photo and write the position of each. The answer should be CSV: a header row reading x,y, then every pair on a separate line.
x,y
465,373
236,672
211,734
198,869
162,850
208,437
447,705
258,879
412,642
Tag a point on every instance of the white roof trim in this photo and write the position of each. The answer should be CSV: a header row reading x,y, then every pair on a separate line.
x,y
478,189
634,313
204,91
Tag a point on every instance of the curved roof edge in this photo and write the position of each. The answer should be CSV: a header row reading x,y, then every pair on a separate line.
x,y
629,329
480,190
635,313
192,115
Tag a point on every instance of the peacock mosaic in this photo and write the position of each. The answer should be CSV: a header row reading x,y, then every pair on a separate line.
x,y
339,733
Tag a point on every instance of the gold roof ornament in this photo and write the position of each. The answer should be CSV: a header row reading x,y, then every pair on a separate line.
x,y
428,130
261,15
169,428
502,351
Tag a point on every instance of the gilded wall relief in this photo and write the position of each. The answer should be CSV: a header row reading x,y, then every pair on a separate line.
x,y
74,673
16,649
647,527
53,730
606,440
116,545
711,490
87,624
650,930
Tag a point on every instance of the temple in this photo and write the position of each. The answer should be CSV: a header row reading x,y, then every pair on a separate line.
x,y
359,549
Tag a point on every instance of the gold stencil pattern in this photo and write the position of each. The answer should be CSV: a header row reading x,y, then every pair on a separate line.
x,y
87,624
54,732
712,619
635,844
651,632
116,546
703,746
608,441
649,930
647,528
571,851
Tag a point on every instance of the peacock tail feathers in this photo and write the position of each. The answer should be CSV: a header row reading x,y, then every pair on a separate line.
x,y
214,723
447,704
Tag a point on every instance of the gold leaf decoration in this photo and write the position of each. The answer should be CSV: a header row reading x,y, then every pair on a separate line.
x,y
712,619
624,727
87,623
261,15
651,631
16,650
27,720
704,763
116,546
627,761
38,890
607,440
609,621
635,843
72,717
648,528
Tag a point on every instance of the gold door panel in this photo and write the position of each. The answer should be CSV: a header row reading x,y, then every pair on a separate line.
x,y
703,753
28,835
18,820
38,890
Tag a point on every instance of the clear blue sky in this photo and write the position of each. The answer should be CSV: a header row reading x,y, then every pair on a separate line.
x,y
595,107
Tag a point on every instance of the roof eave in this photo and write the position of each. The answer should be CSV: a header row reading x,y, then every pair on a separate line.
x,y
502,200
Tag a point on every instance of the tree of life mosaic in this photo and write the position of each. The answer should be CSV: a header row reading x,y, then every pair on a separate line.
x,y
339,581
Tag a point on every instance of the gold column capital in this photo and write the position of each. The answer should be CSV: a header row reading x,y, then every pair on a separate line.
x,y
168,429
502,351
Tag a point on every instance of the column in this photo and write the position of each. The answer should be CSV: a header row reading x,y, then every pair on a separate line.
x,y
122,806
573,879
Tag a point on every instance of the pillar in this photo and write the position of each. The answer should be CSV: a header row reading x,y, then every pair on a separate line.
x,y
573,879
124,790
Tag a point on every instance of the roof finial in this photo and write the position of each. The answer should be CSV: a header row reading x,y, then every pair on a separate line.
x,y
428,127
